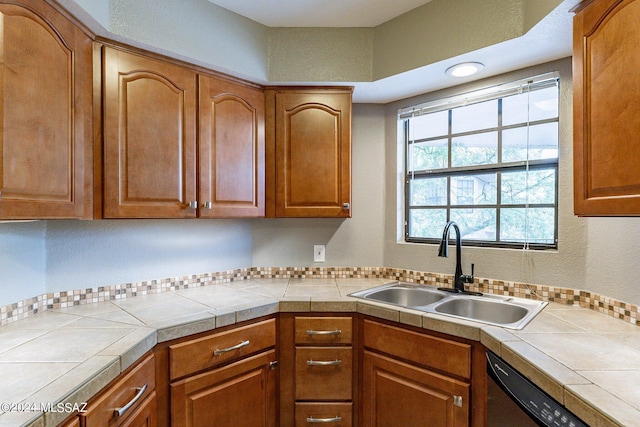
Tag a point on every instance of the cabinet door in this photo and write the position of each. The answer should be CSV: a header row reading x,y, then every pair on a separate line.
x,y
46,143
398,394
149,137
313,153
606,105
231,149
239,394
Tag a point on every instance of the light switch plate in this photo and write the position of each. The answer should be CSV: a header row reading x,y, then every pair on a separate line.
x,y
318,253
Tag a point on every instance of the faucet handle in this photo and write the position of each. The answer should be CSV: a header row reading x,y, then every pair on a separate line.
x,y
469,278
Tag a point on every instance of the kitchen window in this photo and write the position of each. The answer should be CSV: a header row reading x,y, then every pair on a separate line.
x,y
489,161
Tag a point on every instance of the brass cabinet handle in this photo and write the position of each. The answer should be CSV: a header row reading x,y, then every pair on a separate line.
x,y
193,204
219,351
207,205
140,391
335,419
334,332
324,362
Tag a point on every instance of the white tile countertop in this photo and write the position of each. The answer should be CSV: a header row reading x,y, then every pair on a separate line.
x,y
585,359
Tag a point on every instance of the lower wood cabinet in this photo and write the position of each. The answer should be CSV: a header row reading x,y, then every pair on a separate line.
x,y
318,377
396,393
240,394
338,369
224,378
414,378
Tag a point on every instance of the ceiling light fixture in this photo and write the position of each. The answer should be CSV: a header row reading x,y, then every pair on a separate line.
x,y
464,69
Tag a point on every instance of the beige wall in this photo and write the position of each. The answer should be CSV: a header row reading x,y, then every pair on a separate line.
x,y
209,35
349,242
564,267
597,254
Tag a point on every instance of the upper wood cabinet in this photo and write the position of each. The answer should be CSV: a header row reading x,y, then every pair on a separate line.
x,y
46,145
149,137
309,152
606,104
231,149
156,165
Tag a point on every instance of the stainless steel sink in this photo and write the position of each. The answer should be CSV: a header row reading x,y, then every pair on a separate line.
x,y
508,312
405,296
503,313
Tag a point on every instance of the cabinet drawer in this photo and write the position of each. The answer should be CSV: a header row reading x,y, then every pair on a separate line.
x,y
135,386
438,353
323,373
323,330
331,414
202,353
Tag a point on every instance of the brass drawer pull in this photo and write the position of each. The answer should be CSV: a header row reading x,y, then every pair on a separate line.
x,y
324,362
334,332
140,391
335,419
218,352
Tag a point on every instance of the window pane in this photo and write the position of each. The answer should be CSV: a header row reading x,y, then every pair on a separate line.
x,y
542,144
429,191
536,105
457,158
475,224
477,149
534,186
533,225
483,115
427,223
478,189
429,155
429,125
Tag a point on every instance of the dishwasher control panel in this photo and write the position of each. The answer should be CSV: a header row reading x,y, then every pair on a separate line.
x,y
539,405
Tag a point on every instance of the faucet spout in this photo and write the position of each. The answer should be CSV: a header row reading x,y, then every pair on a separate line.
x,y
459,279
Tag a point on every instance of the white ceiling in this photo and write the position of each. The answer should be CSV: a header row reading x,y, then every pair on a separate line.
x,y
320,13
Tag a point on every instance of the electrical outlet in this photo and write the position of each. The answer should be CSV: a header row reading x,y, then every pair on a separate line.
x,y
318,253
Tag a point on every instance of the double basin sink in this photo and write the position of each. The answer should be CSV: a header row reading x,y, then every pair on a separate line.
x,y
504,311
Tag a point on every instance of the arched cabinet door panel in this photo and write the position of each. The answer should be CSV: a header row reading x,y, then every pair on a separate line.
x,y
231,149
606,104
311,152
46,144
149,137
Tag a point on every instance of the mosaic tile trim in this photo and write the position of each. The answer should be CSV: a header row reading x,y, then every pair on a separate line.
x,y
629,313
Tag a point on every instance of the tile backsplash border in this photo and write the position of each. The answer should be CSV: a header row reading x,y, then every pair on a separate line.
x,y
629,313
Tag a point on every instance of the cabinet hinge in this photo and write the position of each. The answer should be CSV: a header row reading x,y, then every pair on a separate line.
x,y
273,365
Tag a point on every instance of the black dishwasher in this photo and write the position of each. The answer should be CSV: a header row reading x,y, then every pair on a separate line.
x,y
513,400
